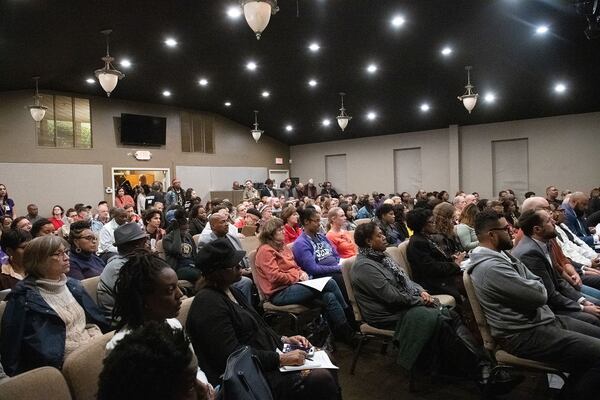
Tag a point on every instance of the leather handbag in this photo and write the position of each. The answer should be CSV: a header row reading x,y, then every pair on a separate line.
x,y
243,378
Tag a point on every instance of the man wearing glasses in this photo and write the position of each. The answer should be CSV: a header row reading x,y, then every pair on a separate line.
x,y
515,303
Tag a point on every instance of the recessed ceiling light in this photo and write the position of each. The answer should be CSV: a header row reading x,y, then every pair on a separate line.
x,y
314,47
125,63
251,66
227,104
371,115
90,81
560,88
171,42
446,51
203,82
372,68
540,30
289,128
265,94
425,107
234,12
489,97
166,93
312,83
398,21
326,122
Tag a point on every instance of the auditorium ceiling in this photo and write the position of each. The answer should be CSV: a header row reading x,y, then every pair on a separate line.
x,y
400,63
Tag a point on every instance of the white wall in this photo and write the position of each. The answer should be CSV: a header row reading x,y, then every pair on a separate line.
x,y
563,151
370,161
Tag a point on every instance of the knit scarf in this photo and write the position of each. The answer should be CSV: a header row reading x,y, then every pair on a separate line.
x,y
404,282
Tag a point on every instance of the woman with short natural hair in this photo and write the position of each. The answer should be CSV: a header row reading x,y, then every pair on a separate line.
x,y
48,315
84,263
13,243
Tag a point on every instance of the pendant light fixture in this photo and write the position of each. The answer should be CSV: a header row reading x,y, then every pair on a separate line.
x,y
258,13
256,133
37,110
343,118
469,99
108,76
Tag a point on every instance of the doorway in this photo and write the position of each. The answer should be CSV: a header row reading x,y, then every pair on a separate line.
x,y
278,176
129,178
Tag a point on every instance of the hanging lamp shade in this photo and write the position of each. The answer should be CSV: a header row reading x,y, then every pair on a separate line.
x,y
108,76
469,99
37,110
256,133
258,14
343,118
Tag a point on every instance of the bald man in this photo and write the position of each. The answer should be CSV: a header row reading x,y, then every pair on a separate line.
x,y
219,228
575,213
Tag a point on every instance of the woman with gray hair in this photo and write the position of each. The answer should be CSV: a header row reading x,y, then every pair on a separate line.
x,y
48,315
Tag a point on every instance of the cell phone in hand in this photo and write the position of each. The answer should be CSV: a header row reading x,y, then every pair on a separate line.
x,y
310,351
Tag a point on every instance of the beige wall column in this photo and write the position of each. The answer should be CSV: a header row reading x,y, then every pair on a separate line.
x,y
453,159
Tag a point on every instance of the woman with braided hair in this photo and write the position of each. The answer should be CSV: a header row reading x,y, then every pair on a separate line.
x,y
147,291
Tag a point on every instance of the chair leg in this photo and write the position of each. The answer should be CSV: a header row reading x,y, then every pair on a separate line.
x,y
363,339
294,318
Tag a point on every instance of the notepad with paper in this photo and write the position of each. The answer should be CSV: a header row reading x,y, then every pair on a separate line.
x,y
317,284
320,360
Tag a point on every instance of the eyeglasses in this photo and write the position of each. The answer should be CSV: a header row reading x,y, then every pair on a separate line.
x,y
90,238
505,228
62,253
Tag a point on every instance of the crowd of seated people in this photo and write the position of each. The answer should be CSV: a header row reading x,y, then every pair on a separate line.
x,y
152,240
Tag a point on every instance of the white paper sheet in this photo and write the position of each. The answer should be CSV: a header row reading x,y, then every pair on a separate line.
x,y
317,284
320,360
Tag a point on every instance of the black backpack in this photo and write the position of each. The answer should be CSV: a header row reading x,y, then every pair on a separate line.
x,y
243,378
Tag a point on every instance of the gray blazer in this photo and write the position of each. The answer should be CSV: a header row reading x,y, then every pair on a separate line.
x,y
561,295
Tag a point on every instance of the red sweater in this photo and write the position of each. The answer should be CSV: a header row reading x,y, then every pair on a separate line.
x,y
343,242
275,270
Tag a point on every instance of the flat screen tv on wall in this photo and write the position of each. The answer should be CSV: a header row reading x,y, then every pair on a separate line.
x,y
143,130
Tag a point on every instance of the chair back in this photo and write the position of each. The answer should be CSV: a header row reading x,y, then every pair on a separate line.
x,y
488,341
250,243
82,368
160,250
41,383
347,265
249,230
91,287
361,221
184,310
402,248
252,262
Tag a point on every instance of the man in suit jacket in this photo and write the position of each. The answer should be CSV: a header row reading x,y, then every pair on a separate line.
x,y
431,268
574,212
533,251
267,189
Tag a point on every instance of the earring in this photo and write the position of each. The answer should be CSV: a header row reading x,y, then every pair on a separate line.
x,y
77,250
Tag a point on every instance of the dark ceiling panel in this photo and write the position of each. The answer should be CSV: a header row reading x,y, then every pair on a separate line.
x,y
60,41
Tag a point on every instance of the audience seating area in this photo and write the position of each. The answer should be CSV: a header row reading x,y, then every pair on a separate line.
x,y
78,378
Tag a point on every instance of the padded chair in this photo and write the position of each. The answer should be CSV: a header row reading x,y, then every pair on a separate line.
x,y
367,331
250,243
293,311
399,255
502,357
45,383
91,287
82,368
361,221
160,250
184,310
